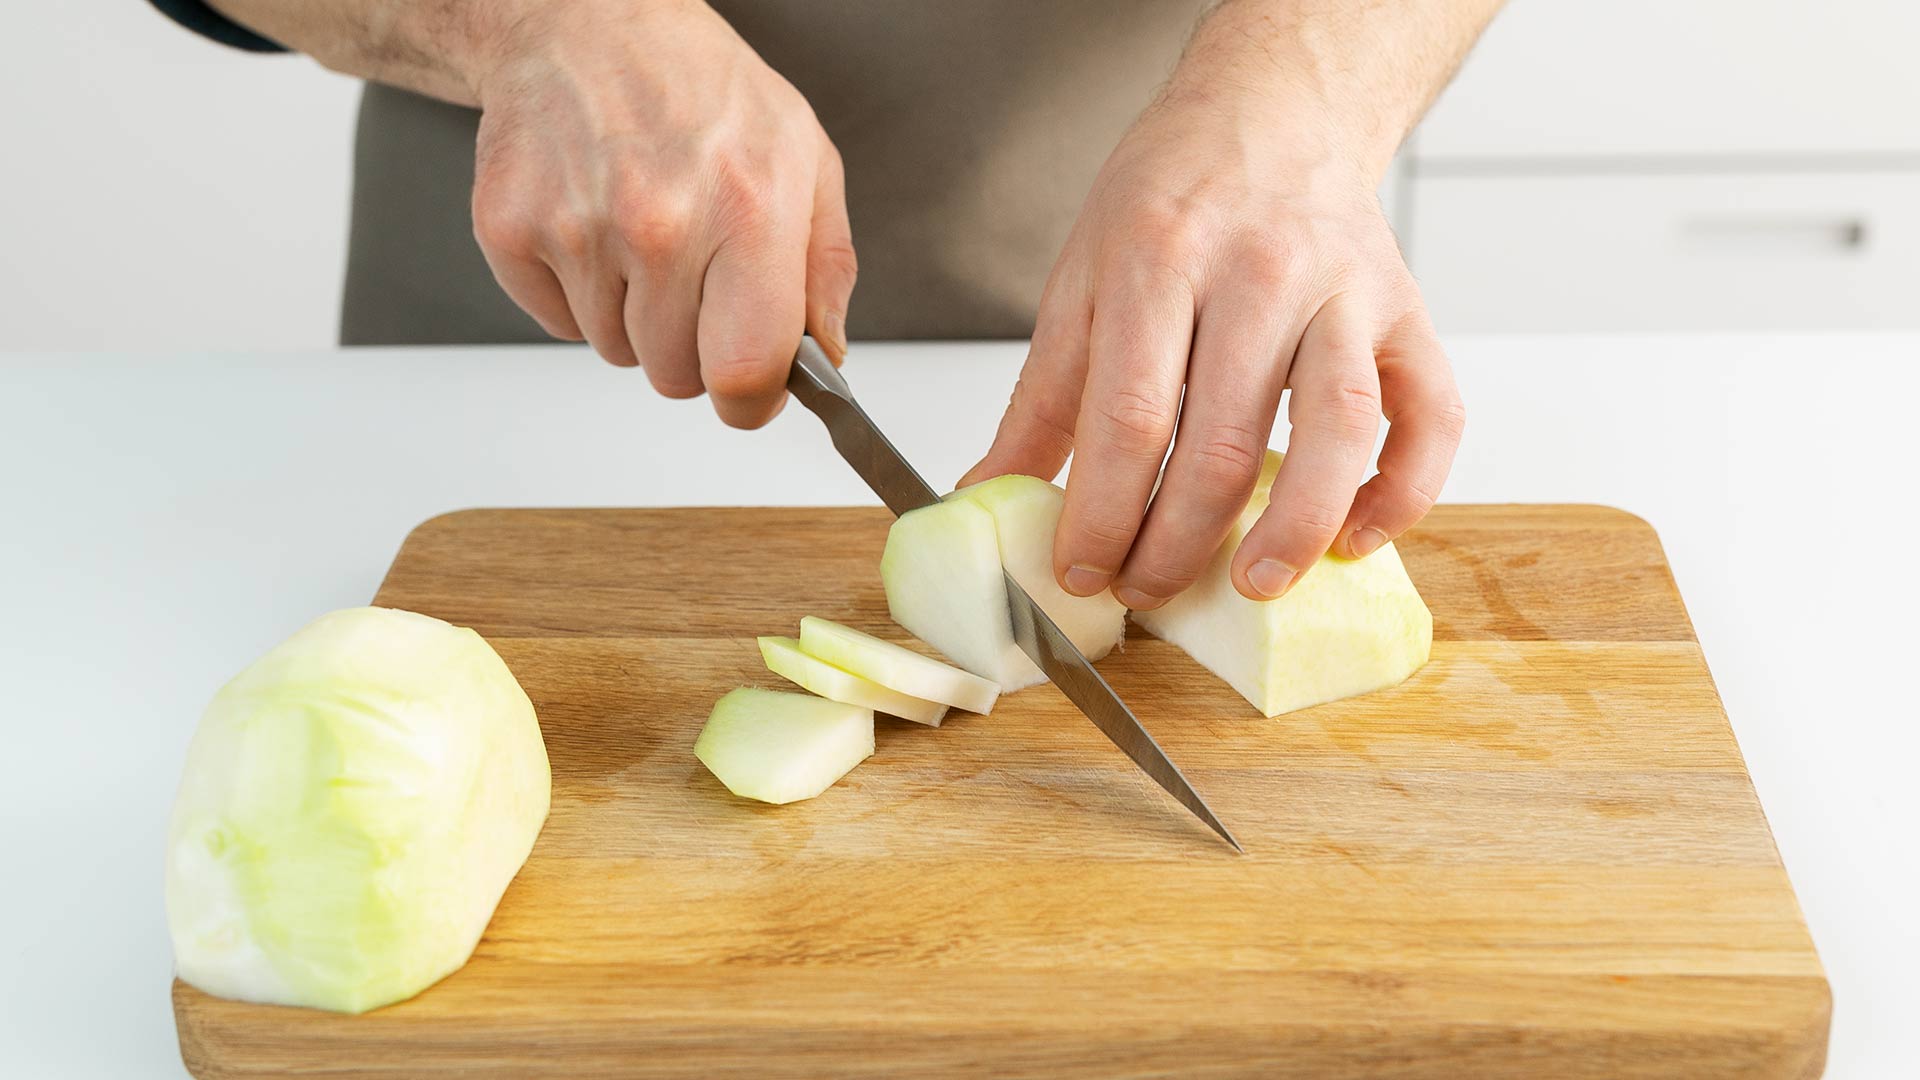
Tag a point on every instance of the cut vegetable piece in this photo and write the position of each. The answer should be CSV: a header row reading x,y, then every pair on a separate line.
x,y
896,667
353,805
1026,510
781,748
1350,626
942,573
941,570
785,657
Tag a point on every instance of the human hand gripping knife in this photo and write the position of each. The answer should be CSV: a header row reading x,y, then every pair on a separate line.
x,y
820,387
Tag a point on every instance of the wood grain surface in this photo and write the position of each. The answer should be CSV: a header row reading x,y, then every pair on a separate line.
x,y
1539,857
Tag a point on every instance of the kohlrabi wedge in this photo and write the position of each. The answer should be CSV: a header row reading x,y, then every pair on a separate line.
x,y
352,808
942,574
781,748
1349,626
785,657
895,667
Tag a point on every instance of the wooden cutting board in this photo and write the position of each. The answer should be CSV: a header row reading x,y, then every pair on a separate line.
x,y
1540,857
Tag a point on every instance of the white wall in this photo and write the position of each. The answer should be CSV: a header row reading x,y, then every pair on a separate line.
x,y
159,190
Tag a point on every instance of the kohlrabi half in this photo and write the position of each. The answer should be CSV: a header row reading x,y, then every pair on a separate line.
x,y
942,574
353,806
1349,626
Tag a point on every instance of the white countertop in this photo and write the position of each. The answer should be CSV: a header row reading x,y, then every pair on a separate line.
x,y
166,518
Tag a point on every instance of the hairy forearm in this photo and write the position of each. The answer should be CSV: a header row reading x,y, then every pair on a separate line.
x,y
1351,77
433,47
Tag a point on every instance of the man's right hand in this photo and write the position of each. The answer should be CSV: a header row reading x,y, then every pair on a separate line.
x,y
645,182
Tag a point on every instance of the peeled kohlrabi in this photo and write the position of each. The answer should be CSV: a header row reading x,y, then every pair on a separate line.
x,y
1349,626
781,748
942,574
784,657
353,806
895,667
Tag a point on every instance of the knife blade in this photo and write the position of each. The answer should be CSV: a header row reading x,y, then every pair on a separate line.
x,y
819,386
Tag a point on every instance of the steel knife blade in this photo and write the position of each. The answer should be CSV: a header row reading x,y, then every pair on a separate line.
x,y
824,391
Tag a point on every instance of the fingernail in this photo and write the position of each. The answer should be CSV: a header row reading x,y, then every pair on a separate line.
x,y
1085,580
1136,599
834,327
1271,577
1365,541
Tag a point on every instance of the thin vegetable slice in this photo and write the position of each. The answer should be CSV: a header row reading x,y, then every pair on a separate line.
x,y
896,667
785,657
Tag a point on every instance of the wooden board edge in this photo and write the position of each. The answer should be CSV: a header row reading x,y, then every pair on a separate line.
x,y
1766,1028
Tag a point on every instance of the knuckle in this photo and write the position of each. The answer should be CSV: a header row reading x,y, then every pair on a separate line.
x,y
739,375
1161,574
674,385
1227,462
505,228
837,256
1316,519
654,233
1048,418
1420,496
1169,230
1450,419
1272,266
1137,422
1350,412
1104,533
569,233
741,194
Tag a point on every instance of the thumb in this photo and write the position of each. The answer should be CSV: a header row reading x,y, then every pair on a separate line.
x,y
831,266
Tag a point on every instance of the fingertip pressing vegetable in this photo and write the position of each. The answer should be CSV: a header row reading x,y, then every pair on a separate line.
x,y
896,667
942,571
785,657
353,806
1348,627
781,748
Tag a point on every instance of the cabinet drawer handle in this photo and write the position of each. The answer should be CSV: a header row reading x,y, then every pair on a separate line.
x,y
1783,234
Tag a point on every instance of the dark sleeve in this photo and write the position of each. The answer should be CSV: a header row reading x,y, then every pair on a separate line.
x,y
196,16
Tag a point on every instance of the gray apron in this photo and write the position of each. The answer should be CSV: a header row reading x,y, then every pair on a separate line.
x,y
970,131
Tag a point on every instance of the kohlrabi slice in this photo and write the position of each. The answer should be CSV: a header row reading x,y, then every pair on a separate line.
x,y
785,657
1349,626
943,578
353,806
781,748
895,667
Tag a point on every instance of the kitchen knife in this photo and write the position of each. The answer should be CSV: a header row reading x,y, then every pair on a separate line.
x,y
821,388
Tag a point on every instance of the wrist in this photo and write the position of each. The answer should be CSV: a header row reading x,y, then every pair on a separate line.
x,y
1291,141
494,41
1288,87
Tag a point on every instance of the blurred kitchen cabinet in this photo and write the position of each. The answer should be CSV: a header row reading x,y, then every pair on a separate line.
x,y
1634,252
1644,165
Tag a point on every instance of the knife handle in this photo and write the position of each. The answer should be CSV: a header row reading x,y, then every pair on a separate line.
x,y
813,374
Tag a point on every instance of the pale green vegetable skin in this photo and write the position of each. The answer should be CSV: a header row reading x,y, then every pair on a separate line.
x,y
781,748
353,806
